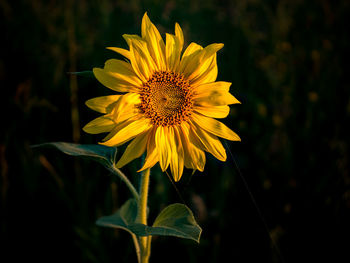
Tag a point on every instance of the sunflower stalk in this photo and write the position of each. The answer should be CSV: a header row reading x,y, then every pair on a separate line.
x,y
145,242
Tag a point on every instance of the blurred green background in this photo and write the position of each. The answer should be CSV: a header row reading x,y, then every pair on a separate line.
x,y
287,61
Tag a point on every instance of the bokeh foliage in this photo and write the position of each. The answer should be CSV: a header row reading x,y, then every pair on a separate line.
x,y
287,61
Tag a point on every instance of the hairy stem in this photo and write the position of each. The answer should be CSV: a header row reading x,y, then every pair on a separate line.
x,y
145,242
126,181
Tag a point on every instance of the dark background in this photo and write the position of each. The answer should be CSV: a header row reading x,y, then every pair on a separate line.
x,y
288,64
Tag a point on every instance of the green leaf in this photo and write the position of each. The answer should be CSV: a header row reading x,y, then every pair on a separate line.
x,y
175,220
86,73
100,153
123,218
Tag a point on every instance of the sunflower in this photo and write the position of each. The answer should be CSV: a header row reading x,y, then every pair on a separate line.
x,y
166,102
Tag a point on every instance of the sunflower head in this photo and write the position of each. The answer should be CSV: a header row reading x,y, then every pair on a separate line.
x,y
166,101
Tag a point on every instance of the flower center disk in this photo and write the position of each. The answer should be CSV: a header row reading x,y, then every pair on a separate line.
x,y
166,98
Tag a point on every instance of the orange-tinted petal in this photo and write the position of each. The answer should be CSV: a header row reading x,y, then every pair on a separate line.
x,y
110,81
134,150
214,94
154,41
177,154
121,51
208,74
126,131
103,104
172,52
204,140
194,158
213,111
126,107
191,52
141,60
122,70
201,61
180,36
152,153
215,127
99,125
163,146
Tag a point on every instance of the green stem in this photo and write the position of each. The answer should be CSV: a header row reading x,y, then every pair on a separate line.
x,y
145,242
126,181
137,197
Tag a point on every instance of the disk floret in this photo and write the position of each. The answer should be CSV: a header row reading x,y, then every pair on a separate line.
x,y
166,98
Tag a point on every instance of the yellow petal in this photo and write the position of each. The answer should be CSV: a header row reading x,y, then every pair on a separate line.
x,y
191,51
154,41
121,51
208,74
112,81
172,52
99,125
140,48
134,150
214,94
197,67
102,104
198,157
211,49
213,111
179,35
126,107
218,85
122,70
177,154
141,60
125,131
152,154
215,127
194,158
201,61
163,146
204,140
129,38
